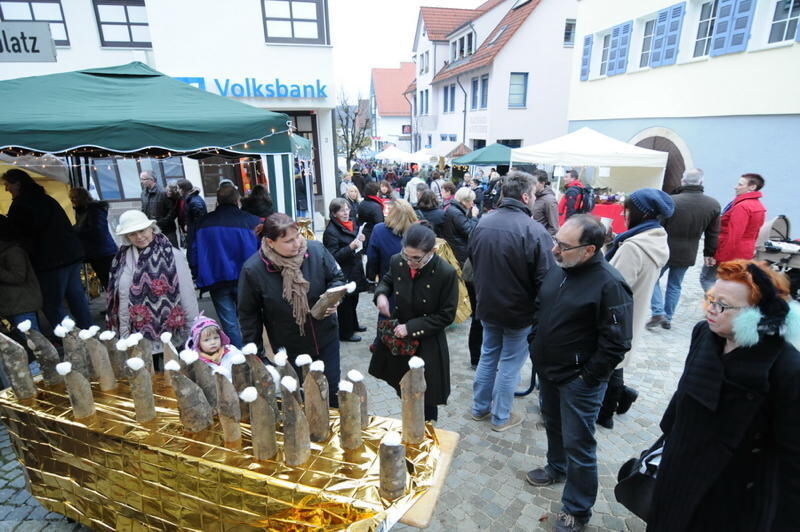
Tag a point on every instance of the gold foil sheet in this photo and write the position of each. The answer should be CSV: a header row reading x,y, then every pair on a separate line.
x,y
110,473
464,309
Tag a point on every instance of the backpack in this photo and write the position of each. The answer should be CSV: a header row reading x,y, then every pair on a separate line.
x,y
587,200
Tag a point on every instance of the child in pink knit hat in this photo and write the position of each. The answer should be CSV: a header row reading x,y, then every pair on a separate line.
x,y
212,345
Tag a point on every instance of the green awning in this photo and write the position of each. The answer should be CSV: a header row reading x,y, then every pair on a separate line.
x,y
131,109
493,155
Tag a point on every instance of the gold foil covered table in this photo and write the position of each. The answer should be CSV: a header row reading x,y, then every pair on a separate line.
x,y
110,473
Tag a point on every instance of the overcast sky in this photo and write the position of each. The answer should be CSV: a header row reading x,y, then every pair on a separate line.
x,y
375,33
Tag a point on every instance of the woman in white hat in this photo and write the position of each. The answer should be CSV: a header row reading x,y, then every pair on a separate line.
x,y
150,289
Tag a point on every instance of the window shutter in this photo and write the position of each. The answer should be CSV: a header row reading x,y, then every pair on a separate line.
x,y
740,27
613,48
673,37
587,56
722,27
659,38
620,61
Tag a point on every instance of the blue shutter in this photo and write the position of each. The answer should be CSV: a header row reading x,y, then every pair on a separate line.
x,y
659,38
722,27
587,56
613,49
740,27
623,44
673,37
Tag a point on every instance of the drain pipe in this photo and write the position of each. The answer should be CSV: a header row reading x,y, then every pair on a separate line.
x,y
464,119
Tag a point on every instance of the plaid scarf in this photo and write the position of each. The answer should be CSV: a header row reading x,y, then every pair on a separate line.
x,y
295,286
154,299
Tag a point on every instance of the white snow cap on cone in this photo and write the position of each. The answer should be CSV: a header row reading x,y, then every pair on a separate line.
x,y
68,323
166,337
222,370
134,339
346,386
392,438
63,368
122,345
302,360
249,394
351,287
276,377
135,363
355,376
289,383
237,358
317,365
250,349
60,331
416,362
172,365
94,328
86,334
24,326
281,357
107,335
188,356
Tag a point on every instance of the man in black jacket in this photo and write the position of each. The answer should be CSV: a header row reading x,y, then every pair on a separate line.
x,y
695,215
157,205
583,332
510,255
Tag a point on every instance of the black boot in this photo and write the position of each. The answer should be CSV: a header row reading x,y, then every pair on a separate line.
x,y
629,396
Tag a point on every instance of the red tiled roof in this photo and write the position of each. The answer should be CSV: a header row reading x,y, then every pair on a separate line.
x,y
389,85
440,21
486,53
411,87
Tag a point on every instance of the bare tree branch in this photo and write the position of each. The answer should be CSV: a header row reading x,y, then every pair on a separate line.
x,y
353,127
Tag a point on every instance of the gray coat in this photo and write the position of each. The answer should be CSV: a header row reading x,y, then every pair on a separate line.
x,y
545,210
695,214
157,206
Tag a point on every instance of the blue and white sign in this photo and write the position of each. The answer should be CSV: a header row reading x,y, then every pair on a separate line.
x,y
254,88
27,42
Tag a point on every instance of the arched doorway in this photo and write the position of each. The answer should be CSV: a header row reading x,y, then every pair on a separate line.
x,y
675,163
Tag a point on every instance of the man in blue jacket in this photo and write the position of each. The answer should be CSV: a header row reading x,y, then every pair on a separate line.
x,y
224,240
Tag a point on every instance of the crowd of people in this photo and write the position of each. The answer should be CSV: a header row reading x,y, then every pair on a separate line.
x,y
572,297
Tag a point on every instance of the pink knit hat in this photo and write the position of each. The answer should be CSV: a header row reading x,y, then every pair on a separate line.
x,y
202,322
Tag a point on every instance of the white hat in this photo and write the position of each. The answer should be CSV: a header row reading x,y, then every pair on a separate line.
x,y
132,221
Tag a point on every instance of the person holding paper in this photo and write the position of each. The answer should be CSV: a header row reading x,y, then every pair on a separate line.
x,y
345,242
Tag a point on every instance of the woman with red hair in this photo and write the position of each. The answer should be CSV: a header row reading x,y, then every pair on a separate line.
x,y
731,458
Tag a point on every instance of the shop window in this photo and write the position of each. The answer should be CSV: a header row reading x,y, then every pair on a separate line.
x,y
122,23
38,11
511,143
478,144
296,21
117,178
784,21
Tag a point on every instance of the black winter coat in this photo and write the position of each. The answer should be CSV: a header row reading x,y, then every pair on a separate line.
x,y
732,455
456,230
261,303
336,240
92,227
159,207
18,282
427,305
370,212
695,214
39,223
436,218
511,253
584,327
257,206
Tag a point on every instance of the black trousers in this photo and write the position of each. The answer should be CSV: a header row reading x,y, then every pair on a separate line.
x,y
475,329
348,319
616,385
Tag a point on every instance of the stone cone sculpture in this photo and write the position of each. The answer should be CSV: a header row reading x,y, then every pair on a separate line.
x,y
15,360
303,363
349,416
141,389
240,376
360,389
230,414
115,355
98,355
393,473
203,376
412,392
265,378
75,350
317,406
195,412
45,353
262,424
79,391
286,370
138,347
296,440
171,353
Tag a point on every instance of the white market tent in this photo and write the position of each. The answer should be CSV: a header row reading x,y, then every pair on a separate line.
x,y
395,154
630,167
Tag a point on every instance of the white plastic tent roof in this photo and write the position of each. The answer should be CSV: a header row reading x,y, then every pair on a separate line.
x,y
393,153
587,147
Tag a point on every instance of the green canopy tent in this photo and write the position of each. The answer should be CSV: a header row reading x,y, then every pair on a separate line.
x,y
132,110
492,155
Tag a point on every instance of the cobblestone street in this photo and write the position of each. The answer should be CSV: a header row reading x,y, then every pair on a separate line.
x,y
485,488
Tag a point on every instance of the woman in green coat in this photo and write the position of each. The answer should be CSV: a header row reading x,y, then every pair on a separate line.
x,y
425,289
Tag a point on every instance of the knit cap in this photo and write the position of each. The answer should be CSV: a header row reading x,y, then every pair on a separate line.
x,y
200,323
653,202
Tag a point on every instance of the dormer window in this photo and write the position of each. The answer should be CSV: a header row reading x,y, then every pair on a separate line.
x,y
463,46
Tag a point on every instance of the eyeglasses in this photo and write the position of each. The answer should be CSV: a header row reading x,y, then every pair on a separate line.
x,y
564,247
422,261
716,306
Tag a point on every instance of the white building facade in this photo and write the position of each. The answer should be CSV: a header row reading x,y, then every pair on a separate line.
x,y
500,76
713,82
274,54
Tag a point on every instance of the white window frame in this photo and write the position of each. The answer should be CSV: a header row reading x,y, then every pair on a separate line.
x,y
30,3
567,22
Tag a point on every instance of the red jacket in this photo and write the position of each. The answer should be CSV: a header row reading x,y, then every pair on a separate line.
x,y
571,201
739,227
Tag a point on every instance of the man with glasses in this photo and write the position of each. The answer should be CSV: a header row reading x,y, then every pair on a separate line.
x,y
583,332
510,254
157,206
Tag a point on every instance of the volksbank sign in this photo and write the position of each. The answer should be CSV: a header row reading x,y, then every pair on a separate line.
x,y
254,88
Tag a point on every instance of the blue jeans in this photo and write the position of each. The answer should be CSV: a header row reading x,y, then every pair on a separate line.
x,y
665,306
708,276
503,353
64,283
16,319
570,411
225,299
